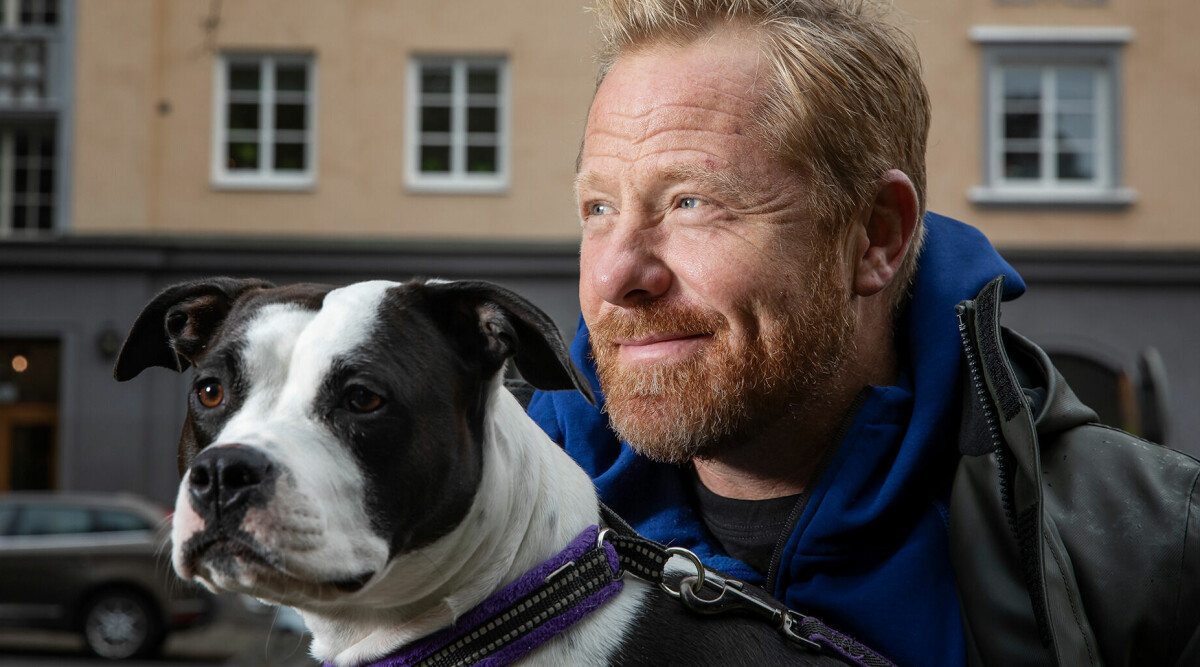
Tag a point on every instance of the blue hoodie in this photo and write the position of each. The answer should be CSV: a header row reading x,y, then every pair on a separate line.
x,y
869,554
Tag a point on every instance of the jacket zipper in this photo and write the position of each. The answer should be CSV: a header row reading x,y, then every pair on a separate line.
x,y
802,501
974,365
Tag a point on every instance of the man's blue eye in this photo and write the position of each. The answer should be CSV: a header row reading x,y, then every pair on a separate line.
x,y
598,209
689,202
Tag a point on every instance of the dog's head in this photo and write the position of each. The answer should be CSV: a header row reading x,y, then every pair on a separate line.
x,y
330,430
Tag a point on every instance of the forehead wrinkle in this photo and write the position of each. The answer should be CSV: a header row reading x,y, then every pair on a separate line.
x,y
345,323
270,339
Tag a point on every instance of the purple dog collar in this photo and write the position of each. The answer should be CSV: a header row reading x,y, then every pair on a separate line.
x,y
525,614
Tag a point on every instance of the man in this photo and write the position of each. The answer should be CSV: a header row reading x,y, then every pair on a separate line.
x,y
785,384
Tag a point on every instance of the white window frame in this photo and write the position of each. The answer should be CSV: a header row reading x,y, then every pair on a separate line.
x,y
266,177
1049,50
458,180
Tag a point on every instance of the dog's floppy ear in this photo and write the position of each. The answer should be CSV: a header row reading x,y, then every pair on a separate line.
x,y
512,326
176,326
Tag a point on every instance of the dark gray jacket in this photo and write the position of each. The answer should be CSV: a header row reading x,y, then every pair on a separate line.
x,y
1073,543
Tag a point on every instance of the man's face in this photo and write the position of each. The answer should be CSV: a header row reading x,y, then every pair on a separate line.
x,y
715,308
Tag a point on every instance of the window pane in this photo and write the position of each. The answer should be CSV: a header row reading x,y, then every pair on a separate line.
x,y
481,159
1076,126
19,213
117,521
243,116
483,80
1076,165
1022,83
290,116
20,180
243,155
53,521
435,119
289,157
435,79
1022,125
46,181
291,77
1075,83
435,159
481,119
243,77
7,512
45,218
1022,165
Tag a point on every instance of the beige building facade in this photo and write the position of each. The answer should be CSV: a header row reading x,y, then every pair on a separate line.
x,y
1154,114
148,105
148,115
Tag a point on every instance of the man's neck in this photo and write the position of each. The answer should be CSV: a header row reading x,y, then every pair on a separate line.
x,y
779,462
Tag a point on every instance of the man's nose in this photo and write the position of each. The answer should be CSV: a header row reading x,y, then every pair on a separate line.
x,y
627,268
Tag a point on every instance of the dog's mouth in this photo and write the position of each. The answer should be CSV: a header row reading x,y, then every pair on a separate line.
x,y
238,563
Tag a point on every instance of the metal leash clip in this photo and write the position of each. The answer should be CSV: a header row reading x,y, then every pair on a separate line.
x,y
734,596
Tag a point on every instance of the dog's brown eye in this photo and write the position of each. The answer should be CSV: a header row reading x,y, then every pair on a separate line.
x,y
210,394
361,399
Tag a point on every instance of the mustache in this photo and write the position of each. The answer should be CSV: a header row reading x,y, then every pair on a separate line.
x,y
650,319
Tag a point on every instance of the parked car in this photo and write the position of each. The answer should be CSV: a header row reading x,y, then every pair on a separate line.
x,y
96,564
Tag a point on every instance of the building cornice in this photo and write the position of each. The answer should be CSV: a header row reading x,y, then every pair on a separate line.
x,y
308,257
1106,267
1024,34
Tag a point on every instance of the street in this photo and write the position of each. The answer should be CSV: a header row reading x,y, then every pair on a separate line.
x,y
242,635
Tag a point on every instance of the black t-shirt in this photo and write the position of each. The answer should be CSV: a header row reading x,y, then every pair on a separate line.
x,y
745,529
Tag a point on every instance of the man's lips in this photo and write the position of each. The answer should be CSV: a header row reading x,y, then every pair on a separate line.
x,y
660,347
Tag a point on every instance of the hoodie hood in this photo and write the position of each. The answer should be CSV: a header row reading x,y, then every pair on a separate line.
x,y
868,553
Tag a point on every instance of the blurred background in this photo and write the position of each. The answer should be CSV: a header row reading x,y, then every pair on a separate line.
x,y
146,142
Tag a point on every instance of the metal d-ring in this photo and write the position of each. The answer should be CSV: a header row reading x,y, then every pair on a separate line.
x,y
697,584
604,532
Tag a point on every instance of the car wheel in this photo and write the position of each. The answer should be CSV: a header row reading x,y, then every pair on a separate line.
x,y
121,624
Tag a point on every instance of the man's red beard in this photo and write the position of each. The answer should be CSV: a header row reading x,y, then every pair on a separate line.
x,y
735,385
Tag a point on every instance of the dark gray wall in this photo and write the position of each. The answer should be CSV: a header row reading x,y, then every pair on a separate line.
x,y
123,436
1112,305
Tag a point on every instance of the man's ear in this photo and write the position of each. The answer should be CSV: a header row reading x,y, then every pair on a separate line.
x,y
882,240
507,325
174,329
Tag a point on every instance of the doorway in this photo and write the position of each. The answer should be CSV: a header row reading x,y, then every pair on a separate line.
x,y
29,372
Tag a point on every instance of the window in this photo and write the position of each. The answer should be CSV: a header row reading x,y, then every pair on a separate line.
x,y
49,520
458,124
265,121
1051,117
112,521
23,81
15,13
27,178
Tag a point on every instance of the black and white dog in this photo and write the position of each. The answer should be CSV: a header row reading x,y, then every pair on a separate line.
x,y
353,453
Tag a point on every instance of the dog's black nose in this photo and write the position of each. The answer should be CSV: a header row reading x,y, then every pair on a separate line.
x,y
223,480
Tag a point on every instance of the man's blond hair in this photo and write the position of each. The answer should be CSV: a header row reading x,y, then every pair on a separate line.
x,y
845,102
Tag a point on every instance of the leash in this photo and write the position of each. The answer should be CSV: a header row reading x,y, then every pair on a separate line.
x,y
709,592
578,580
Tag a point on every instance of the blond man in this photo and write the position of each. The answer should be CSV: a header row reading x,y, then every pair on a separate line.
x,y
770,315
